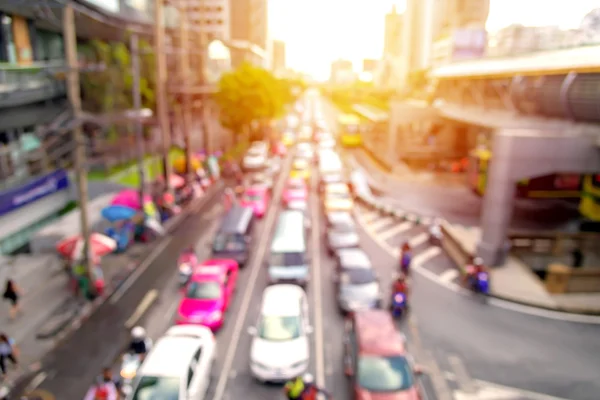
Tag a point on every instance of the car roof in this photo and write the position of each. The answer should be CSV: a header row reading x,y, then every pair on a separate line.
x,y
236,220
282,300
256,190
170,357
301,162
338,187
353,258
336,217
211,269
377,334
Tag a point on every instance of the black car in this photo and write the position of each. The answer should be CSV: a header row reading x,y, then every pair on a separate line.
x,y
341,232
356,281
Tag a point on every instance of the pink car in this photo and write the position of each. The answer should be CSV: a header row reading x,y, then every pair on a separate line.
x,y
295,191
208,294
256,198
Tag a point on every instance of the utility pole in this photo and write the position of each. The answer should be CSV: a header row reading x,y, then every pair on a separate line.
x,y
74,94
137,107
161,87
186,77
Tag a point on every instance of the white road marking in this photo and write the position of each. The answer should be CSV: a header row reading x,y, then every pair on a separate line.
x,y
141,309
36,381
380,223
462,376
418,240
396,230
371,216
139,270
507,305
251,283
317,295
426,255
449,275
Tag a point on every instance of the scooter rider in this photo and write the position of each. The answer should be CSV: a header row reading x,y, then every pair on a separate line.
x,y
476,267
405,257
138,344
311,390
400,285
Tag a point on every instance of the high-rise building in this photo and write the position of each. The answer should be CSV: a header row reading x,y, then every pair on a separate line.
x,y
278,56
392,40
342,72
369,65
212,16
249,23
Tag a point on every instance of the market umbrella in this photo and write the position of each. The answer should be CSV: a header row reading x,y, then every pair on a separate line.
x,y
179,164
129,198
118,213
72,247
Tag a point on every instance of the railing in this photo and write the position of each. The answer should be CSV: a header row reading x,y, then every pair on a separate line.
x,y
33,76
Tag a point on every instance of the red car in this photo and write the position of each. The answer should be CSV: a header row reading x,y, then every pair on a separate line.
x,y
257,199
375,358
279,149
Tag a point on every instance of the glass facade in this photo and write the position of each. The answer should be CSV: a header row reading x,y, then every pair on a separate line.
x,y
49,46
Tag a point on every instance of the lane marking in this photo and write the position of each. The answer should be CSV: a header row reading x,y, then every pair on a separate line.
x,y
120,292
504,304
36,382
449,275
488,388
371,216
462,376
317,295
141,309
380,223
255,269
418,240
396,230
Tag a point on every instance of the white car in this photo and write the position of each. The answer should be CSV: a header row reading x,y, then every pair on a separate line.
x,y
178,366
254,159
305,150
280,348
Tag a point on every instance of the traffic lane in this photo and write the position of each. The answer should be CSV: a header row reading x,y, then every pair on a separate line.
x,y
74,364
497,345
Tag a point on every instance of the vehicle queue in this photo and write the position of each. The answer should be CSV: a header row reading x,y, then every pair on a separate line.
x,y
178,365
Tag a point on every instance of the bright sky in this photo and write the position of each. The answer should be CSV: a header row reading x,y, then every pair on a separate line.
x,y
318,32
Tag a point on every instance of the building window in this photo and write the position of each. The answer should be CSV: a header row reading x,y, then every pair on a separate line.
x,y
208,22
219,9
219,22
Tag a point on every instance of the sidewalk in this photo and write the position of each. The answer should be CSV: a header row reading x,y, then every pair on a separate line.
x,y
516,282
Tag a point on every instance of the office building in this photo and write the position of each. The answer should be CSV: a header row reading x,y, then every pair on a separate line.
x,y
212,16
342,72
249,24
278,56
392,39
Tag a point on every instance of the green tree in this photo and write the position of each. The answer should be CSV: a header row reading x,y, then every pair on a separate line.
x,y
250,94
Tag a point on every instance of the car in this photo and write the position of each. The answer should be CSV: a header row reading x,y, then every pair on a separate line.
x,y
337,197
208,293
295,191
329,178
326,142
305,150
273,167
280,345
288,139
356,281
255,159
300,169
233,239
305,134
341,232
184,351
261,180
376,360
278,149
256,198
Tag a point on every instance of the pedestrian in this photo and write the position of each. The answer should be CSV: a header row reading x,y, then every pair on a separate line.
x,y
12,293
8,351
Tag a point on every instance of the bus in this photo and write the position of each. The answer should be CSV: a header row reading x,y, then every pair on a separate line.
x,y
349,130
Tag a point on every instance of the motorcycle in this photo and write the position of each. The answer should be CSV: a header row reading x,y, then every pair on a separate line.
x,y
405,261
435,235
480,283
185,264
130,364
399,305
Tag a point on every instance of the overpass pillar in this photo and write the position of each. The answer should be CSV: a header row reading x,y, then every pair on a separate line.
x,y
526,153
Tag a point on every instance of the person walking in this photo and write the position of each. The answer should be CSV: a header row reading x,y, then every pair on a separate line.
x,y
7,351
12,293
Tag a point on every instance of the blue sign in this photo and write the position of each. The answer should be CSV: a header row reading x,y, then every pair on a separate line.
x,y
16,198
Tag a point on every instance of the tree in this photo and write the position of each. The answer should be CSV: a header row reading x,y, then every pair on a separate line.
x,y
251,94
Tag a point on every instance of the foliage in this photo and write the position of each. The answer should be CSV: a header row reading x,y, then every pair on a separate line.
x,y
110,89
249,95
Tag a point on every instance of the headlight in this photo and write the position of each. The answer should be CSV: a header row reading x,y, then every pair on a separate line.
x,y
128,373
185,268
260,366
299,364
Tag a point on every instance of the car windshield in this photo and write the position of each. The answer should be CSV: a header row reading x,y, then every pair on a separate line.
x,y
287,259
384,374
277,328
344,227
223,243
155,388
203,291
358,276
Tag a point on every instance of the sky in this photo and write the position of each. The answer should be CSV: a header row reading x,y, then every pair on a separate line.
x,y
318,32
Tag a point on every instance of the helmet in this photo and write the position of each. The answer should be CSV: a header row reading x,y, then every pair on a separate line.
x,y
138,333
478,261
308,378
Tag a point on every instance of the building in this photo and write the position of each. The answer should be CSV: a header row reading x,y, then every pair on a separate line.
x,y
278,57
342,72
590,27
249,24
369,65
392,38
212,16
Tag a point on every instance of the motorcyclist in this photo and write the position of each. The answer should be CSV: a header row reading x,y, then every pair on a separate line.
x,y
311,390
190,250
475,268
103,389
294,388
138,344
405,257
400,285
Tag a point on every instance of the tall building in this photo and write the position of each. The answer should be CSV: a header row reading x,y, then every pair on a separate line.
x,y
278,56
212,16
369,65
392,39
249,23
342,72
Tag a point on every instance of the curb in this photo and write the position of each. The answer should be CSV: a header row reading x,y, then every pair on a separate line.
x,y
90,308
566,310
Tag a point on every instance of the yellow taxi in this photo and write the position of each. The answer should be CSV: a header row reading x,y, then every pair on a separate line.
x,y
337,197
288,139
300,169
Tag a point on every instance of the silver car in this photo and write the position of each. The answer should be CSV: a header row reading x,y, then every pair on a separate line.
x,y
356,281
341,232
